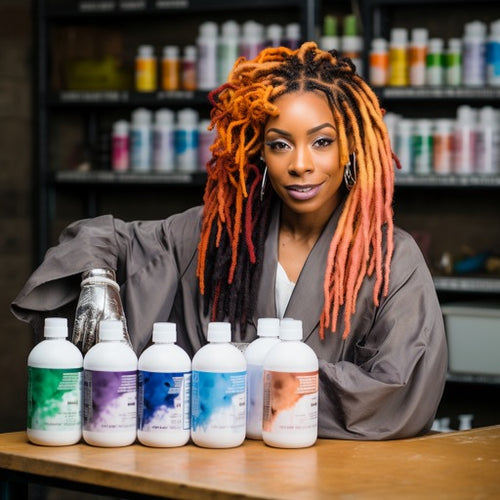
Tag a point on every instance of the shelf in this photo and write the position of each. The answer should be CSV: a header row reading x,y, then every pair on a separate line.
x,y
467,284
81,8
473,379
438,93
104,177
106,98
438,181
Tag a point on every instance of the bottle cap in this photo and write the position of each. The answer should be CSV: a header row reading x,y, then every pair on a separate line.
x,y
120,127
419,36
454,44
187,116
164,332
208,29
99,273
219,331
165,116
268,327
110,329
190,53
436,45
171,52
230,29
292,31
146,51
290,329
379,45
141,116
330,26
55,328
274,32
399,36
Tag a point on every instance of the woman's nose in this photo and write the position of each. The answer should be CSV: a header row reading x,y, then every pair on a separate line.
x,y
301,161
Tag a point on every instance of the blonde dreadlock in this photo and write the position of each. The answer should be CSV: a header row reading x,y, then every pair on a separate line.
x,y
235,220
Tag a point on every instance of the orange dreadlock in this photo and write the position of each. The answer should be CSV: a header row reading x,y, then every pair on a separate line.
x,y
235,219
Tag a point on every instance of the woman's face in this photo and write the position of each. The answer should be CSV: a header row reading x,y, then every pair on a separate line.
x,y
301,152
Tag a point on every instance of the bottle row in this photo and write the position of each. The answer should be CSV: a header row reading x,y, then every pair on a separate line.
x,y
472,61
206,63
469,144
163,141
163,398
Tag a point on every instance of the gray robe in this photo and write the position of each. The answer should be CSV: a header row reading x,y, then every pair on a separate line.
x,y
384,381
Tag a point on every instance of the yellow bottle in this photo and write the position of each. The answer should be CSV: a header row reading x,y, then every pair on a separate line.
x,y
145,69
398,58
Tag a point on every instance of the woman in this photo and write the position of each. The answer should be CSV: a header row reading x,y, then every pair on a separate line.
x,y
297,222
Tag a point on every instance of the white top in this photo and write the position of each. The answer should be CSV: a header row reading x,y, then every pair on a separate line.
x,y
283,291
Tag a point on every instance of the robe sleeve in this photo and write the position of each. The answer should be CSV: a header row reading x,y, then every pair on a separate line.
x,y
144,255
394,385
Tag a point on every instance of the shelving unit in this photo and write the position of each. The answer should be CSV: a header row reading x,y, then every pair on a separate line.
x,y
454,210
52,178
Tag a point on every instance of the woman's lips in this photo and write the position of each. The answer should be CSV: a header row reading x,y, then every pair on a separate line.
x,y
303,192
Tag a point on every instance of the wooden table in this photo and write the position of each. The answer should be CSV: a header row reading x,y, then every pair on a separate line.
x,y
453,465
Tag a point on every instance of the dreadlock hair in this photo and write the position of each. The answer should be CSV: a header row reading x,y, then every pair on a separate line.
x,y
235,219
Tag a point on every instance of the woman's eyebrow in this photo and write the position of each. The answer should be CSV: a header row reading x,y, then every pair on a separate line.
x,y
309,132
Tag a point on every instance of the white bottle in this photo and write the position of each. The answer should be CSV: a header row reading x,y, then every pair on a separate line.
x,y
218,397
291,384
442,146
164,391
206,138
252,39
329,40
120,146
292,36
268,333
351,43
474,54
206,44
435,63
379,63
464,141
487,142
404,145
55,388
227,49
493,55
186,140
110,389
453,63
274,35
422,147
163,141
141,141
417,54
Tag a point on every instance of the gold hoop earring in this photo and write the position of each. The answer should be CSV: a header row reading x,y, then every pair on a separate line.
x,y
350,172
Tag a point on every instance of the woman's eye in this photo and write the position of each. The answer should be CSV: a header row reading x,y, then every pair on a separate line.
x,y
323,142
277,145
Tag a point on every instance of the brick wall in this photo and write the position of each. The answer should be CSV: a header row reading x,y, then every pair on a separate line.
x,y
15,203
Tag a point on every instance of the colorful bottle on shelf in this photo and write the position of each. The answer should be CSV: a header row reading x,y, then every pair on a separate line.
x,y
329,39
453,63
493,55
145,69
170,68
351,43
398,58
120,146
55,378
227,49
206,48
417,54
141,151
474,54
186,140
218,397
164,390
188,73
435,63
379,63
164,141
